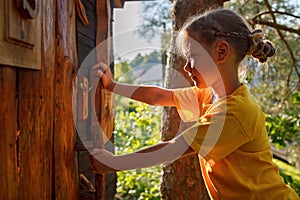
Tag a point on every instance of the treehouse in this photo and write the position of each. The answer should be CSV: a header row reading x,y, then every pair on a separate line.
x,y
45,102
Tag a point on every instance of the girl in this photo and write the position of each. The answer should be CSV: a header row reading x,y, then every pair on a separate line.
x,y
229,134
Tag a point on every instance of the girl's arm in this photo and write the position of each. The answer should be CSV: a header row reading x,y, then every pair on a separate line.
x,y
151,95
103,161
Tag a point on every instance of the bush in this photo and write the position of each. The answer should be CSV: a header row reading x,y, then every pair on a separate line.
x,y
284,132
136,129
290,175
139,127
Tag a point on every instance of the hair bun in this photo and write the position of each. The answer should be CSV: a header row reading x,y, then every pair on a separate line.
x,y
259,48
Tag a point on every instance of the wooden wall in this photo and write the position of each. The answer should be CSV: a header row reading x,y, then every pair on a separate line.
x,y
36,124
37,131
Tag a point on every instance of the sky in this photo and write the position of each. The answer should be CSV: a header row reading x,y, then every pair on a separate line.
x,y
127,43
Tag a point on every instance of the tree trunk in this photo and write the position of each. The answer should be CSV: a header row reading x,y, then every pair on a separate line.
x,y
182,179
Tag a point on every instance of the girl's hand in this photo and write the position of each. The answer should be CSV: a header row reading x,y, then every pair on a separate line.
x,y
103,71
99,160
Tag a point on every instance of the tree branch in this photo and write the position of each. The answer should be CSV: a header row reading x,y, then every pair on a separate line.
x,y
275,12
294,62
275,25
242,5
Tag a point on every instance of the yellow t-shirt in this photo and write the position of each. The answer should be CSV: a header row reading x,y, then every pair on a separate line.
x,y
230,135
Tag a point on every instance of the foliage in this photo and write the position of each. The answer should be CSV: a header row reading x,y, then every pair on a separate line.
x,y
283,129
151,58
121,68
156,20
276,85
135,130
290,175
123,73
279,80
284,132
128,71
137,125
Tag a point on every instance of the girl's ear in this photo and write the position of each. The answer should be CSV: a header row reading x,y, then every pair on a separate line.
x,y
223,50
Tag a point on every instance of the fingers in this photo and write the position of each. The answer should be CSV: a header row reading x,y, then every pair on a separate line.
x,y
100,66
99,73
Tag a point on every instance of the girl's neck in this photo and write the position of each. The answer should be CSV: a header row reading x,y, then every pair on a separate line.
x,y
228,81
225,87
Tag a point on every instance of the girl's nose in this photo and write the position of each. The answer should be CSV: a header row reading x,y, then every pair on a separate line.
x,y
187,67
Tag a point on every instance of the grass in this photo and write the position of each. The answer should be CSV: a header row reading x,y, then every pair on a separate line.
x,y
290,174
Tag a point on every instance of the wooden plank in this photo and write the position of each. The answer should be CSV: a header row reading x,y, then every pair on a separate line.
x,y
30,125
48,71
35,117
28,102
86,42
119,3
102,31
89,30
85,45
86,32
103,98
66,177
86,37
19,36
8,131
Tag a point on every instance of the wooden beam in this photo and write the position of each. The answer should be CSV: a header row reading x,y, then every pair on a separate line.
x,y
119,3
66,177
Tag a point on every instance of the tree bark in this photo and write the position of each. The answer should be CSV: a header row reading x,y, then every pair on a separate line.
x,y
182,179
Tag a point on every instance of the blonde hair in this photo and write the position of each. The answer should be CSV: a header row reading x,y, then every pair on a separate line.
x,y
228,25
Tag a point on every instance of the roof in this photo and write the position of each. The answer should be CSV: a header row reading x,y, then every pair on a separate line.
x,y
149,73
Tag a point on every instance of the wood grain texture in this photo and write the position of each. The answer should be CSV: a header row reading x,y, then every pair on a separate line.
x,y
8,131
86,42
40,163
35,117
28,94
19,36
65,173
96,32
48,70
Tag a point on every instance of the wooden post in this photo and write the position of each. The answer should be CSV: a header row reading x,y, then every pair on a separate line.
x,y
66,177
102,98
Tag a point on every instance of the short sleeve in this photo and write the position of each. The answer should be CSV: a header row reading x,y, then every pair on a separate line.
x,y
218,137
189,102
